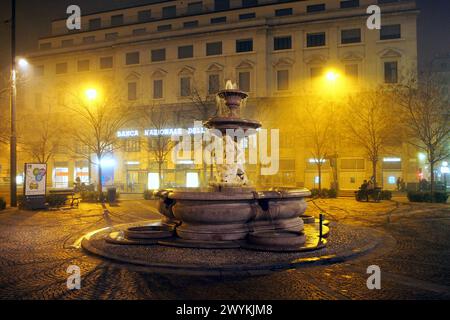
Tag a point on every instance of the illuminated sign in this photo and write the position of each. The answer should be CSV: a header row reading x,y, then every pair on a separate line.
x,y
128,134
160,132
392,160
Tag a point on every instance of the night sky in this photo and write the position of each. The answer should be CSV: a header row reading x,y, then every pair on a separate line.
x,y
34,19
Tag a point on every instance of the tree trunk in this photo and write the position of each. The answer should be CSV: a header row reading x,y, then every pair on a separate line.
x,y
432,180
374,172
99,181
160,175
319,171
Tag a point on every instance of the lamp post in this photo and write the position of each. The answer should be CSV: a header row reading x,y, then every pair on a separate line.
x,y
13,140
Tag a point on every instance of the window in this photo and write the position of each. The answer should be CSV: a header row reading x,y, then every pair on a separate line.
x,y
351,71
282,43
158,89
246,16
352,164
221,5
245,45
244,81
218,20
185,52
158,55
61,68
83,65
315,8
165,27
185,86
95,24
349,4
132,145
67,43
89,39
169,12
139,32
192,180
214,48
153,181
195,7
117,20
316,72
132,58
111,36
106,62
391,72
249,3
213,83
61,177
386,1
283,12
350,36
132,91
190,24
390,32
45,46
144,15
39,71
282,80
37,101
315,39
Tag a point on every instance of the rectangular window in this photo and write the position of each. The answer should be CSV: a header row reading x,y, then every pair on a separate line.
x,y
106,62
316,72
315,39
391,72
315,8
158,55
61,177
352,164
351,71
169,12
349,4
111,36
117,20
245,45
132,91
132,145
165,27
386,1
350,36
282,80
218,20
213,83
190,24
283,12
282,43
214,48
246,16
185,52
95,24
221,5
139,32
45,46
67,43
83,65
144,15
195,7
244,81
390,32
132,58
90,39
61,68
249,3
157,89
185,86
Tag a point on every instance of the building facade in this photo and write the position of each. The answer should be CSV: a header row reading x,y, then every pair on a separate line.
x,y
275,50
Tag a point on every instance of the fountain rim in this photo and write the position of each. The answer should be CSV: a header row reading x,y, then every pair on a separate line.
x,y
232,92
194,195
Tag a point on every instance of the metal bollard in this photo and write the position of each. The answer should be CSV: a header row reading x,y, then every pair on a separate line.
x,y
321,218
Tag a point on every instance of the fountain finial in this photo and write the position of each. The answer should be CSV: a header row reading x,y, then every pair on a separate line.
x,y
233,98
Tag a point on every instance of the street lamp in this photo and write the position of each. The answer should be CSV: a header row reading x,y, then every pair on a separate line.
x,y
91,94
13,139
332,75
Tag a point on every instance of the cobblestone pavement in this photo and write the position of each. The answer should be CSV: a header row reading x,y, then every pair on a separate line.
x,y
37,248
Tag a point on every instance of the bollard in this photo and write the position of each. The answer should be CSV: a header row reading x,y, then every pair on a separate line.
x,y
321,218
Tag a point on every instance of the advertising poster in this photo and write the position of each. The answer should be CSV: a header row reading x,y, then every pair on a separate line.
x,y
35,179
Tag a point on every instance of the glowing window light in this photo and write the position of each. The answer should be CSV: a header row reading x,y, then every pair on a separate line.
x,y
107,163
192,180
153,181
133,163
392,160
19,179
316,161
316,179
445,164
391,180
445,170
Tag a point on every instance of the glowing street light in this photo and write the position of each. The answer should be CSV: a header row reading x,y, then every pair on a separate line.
x,y
332,75
91,94
23,63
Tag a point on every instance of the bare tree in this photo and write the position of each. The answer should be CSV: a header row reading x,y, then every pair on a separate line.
x,y
94,125
424,111
159,145
370,124
40,135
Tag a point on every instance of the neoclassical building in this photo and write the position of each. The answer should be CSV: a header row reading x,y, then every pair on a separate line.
x,y
274,50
